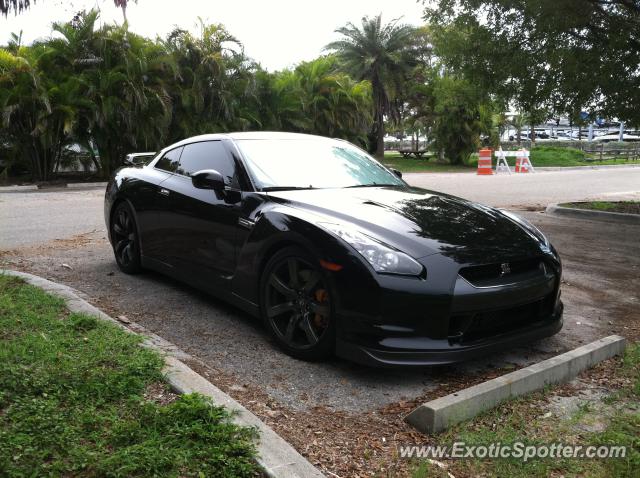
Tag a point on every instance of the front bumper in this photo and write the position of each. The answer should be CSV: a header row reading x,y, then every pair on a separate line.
x,y
423,351
446,318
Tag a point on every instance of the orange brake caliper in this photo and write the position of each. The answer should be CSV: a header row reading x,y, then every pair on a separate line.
x,y
322,297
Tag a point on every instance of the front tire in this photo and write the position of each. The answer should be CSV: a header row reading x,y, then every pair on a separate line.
x,y
295,304
125,240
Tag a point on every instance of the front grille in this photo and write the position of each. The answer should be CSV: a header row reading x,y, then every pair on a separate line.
x,y
478,275
477,325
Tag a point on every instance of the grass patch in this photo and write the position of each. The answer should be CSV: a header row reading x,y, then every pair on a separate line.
x,y
626,207
554,156
72,401
523,420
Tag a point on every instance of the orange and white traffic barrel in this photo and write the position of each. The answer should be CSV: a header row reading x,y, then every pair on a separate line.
x,y
484,162
522,162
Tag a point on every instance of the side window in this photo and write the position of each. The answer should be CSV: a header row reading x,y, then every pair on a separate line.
x,y
208,155
170,160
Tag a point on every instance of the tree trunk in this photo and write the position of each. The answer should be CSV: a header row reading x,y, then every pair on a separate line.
x,y
94,160
379,135
532,135
35,162
378,114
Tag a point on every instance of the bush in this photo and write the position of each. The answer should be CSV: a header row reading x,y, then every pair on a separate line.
x,y
472,160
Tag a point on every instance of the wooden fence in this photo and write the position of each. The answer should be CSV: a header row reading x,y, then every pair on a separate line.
x,y
612,151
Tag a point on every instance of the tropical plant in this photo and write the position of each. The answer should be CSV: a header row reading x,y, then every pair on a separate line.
x,y
15,6
315,98
458,121
18,6
108,91
335,104
382,54
213,78
38,109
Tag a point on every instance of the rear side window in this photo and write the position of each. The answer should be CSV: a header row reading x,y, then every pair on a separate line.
x,y
170,160
208,155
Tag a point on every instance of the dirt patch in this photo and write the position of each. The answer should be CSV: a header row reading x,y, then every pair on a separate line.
x,y
160,393
341,443
69,243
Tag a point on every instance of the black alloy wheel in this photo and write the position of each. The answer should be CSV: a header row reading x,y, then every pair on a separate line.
x,y
296,304
124,238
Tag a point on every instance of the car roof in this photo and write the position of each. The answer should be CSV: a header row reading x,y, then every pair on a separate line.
x,y
246,135
273,135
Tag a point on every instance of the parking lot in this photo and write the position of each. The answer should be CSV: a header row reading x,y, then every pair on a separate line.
x,y
63,238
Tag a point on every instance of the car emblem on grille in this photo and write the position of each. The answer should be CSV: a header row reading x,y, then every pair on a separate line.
x,y
505,268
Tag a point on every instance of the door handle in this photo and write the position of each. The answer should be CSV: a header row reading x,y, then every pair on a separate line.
x,y
164,192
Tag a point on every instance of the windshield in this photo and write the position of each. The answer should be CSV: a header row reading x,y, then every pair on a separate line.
x,y
312,163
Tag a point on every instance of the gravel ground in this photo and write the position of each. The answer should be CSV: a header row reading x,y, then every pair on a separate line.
x,y
600,291
336,413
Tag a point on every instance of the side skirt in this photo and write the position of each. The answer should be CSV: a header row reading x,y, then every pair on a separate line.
x,y
230,297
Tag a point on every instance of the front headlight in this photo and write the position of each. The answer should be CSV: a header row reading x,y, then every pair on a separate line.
x,y
381,257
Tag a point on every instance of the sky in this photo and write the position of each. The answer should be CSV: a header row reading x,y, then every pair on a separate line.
x,y
276,33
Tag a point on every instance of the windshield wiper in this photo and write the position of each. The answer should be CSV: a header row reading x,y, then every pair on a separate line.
x,y
374,185
285,188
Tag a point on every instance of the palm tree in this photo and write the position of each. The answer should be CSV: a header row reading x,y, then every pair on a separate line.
x,y
518,121
38,106
18,6
337,105
381,54
212,79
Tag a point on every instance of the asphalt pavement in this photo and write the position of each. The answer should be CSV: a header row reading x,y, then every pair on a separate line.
x,y
33,218
535,189
37,217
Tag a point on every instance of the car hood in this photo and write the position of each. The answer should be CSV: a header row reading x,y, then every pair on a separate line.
x,y
420,222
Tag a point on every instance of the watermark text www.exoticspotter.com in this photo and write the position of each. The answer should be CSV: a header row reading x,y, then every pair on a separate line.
x,y
517,450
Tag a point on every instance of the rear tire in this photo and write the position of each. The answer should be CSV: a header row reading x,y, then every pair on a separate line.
x,y
295,304
125,240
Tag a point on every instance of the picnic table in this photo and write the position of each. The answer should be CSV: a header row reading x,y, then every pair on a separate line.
x,y
417,153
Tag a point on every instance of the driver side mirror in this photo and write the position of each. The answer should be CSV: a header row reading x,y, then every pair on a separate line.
x,y
397,172
208,179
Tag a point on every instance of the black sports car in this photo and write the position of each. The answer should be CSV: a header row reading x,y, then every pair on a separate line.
x,y
335,252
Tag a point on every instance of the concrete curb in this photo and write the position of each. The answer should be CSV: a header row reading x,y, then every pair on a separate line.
x,y
441,413
102,184
18,189
578,168
593,215
276,457
53,187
